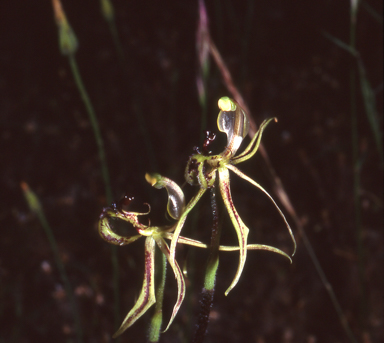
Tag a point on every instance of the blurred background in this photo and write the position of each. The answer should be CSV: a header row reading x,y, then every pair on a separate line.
x,y
288,61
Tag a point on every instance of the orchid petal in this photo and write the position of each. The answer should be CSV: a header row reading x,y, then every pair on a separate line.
x,y
180,224
198,244
106,232
147,295
241,229
246,154
176,200
234,122
245,177
186,240
256,247
162,244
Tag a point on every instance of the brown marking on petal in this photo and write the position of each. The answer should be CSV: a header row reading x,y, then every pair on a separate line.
x,y
241,229
192,171
236,215
148,264
146,293
228,193
111,239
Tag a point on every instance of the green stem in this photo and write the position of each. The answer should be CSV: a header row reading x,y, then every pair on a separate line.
x,y
105,174
157,319
207,294
116,41
95,126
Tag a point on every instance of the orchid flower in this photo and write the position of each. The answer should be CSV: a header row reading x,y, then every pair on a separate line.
x,y
156,235
203,169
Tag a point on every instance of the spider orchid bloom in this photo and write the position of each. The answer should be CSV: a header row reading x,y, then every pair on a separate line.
x,y
202,170
155,235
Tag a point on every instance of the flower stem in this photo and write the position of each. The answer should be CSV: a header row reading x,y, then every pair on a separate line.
x,y
208,291
157,318
105,174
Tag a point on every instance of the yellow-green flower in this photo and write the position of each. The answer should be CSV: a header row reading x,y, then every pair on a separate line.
x,y
202,170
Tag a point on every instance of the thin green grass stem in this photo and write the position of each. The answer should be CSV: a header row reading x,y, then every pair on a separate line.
x,y
157,319
95,126
35,206
105,174
108,13
116,41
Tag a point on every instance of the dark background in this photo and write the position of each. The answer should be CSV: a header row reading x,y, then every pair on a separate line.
x,y
149,115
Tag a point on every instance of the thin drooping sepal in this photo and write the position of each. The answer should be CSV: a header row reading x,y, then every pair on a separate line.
x,y
245,177
198,244
162,244
147,295
257,247
180,224
246,154
241,229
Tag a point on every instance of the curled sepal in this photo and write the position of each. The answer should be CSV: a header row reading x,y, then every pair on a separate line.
x,y
245,177
241,229
107,233
162,244
176,200
253,145
147,295
234,122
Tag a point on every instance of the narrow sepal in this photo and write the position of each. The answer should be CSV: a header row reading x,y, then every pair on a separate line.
x,y
241,229
253,145
180,224
245,177
162,244
147,295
